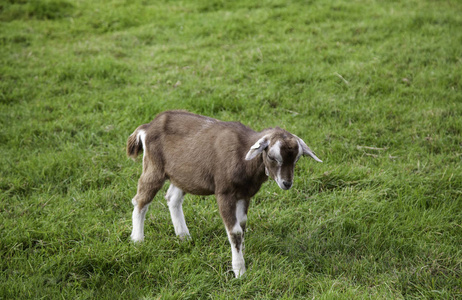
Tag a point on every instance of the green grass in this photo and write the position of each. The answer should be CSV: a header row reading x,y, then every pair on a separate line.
x,y
373,87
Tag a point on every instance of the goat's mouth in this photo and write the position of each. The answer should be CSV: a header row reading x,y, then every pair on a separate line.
x,y
284,184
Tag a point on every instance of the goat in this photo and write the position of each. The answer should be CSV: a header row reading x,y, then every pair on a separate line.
x,y
203,156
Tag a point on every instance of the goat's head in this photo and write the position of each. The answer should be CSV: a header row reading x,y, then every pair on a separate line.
x,y
280,152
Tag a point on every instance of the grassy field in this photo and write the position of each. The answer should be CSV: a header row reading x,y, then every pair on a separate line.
x,y
373,87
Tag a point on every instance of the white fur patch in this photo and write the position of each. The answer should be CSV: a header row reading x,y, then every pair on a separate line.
x,y
238,261
142,136
275,152
175,198
138,217
257,148
241,216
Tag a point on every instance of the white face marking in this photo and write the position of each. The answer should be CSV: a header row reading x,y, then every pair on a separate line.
x,y
275,152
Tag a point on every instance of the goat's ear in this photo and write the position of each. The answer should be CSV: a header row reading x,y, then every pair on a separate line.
x,y
307,151
257,148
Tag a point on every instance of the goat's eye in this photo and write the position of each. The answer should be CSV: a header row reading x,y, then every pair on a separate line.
x,y
271,158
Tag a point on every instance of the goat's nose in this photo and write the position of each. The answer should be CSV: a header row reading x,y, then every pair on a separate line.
x,y
287,184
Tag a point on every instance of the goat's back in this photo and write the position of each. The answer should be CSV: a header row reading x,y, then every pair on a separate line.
x,y
199,154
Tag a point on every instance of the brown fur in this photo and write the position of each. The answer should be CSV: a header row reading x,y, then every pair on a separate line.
x,y
134,146
178,142
205,156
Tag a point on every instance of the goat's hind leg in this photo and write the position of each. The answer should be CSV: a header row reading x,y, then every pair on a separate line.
x,y
174,199
148,186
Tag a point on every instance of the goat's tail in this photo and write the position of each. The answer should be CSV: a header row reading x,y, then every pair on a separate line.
x,y
134,144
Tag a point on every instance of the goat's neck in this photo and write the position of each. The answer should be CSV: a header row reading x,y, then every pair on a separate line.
x,y
259,174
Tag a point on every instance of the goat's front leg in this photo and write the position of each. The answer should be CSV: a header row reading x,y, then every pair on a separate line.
x,y
234,215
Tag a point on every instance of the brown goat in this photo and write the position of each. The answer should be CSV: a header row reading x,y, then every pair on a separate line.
x,y
204,156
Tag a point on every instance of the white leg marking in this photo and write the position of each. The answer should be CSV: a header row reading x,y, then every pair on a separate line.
x,y
241,215
175,198
236,239
237,254
138,217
